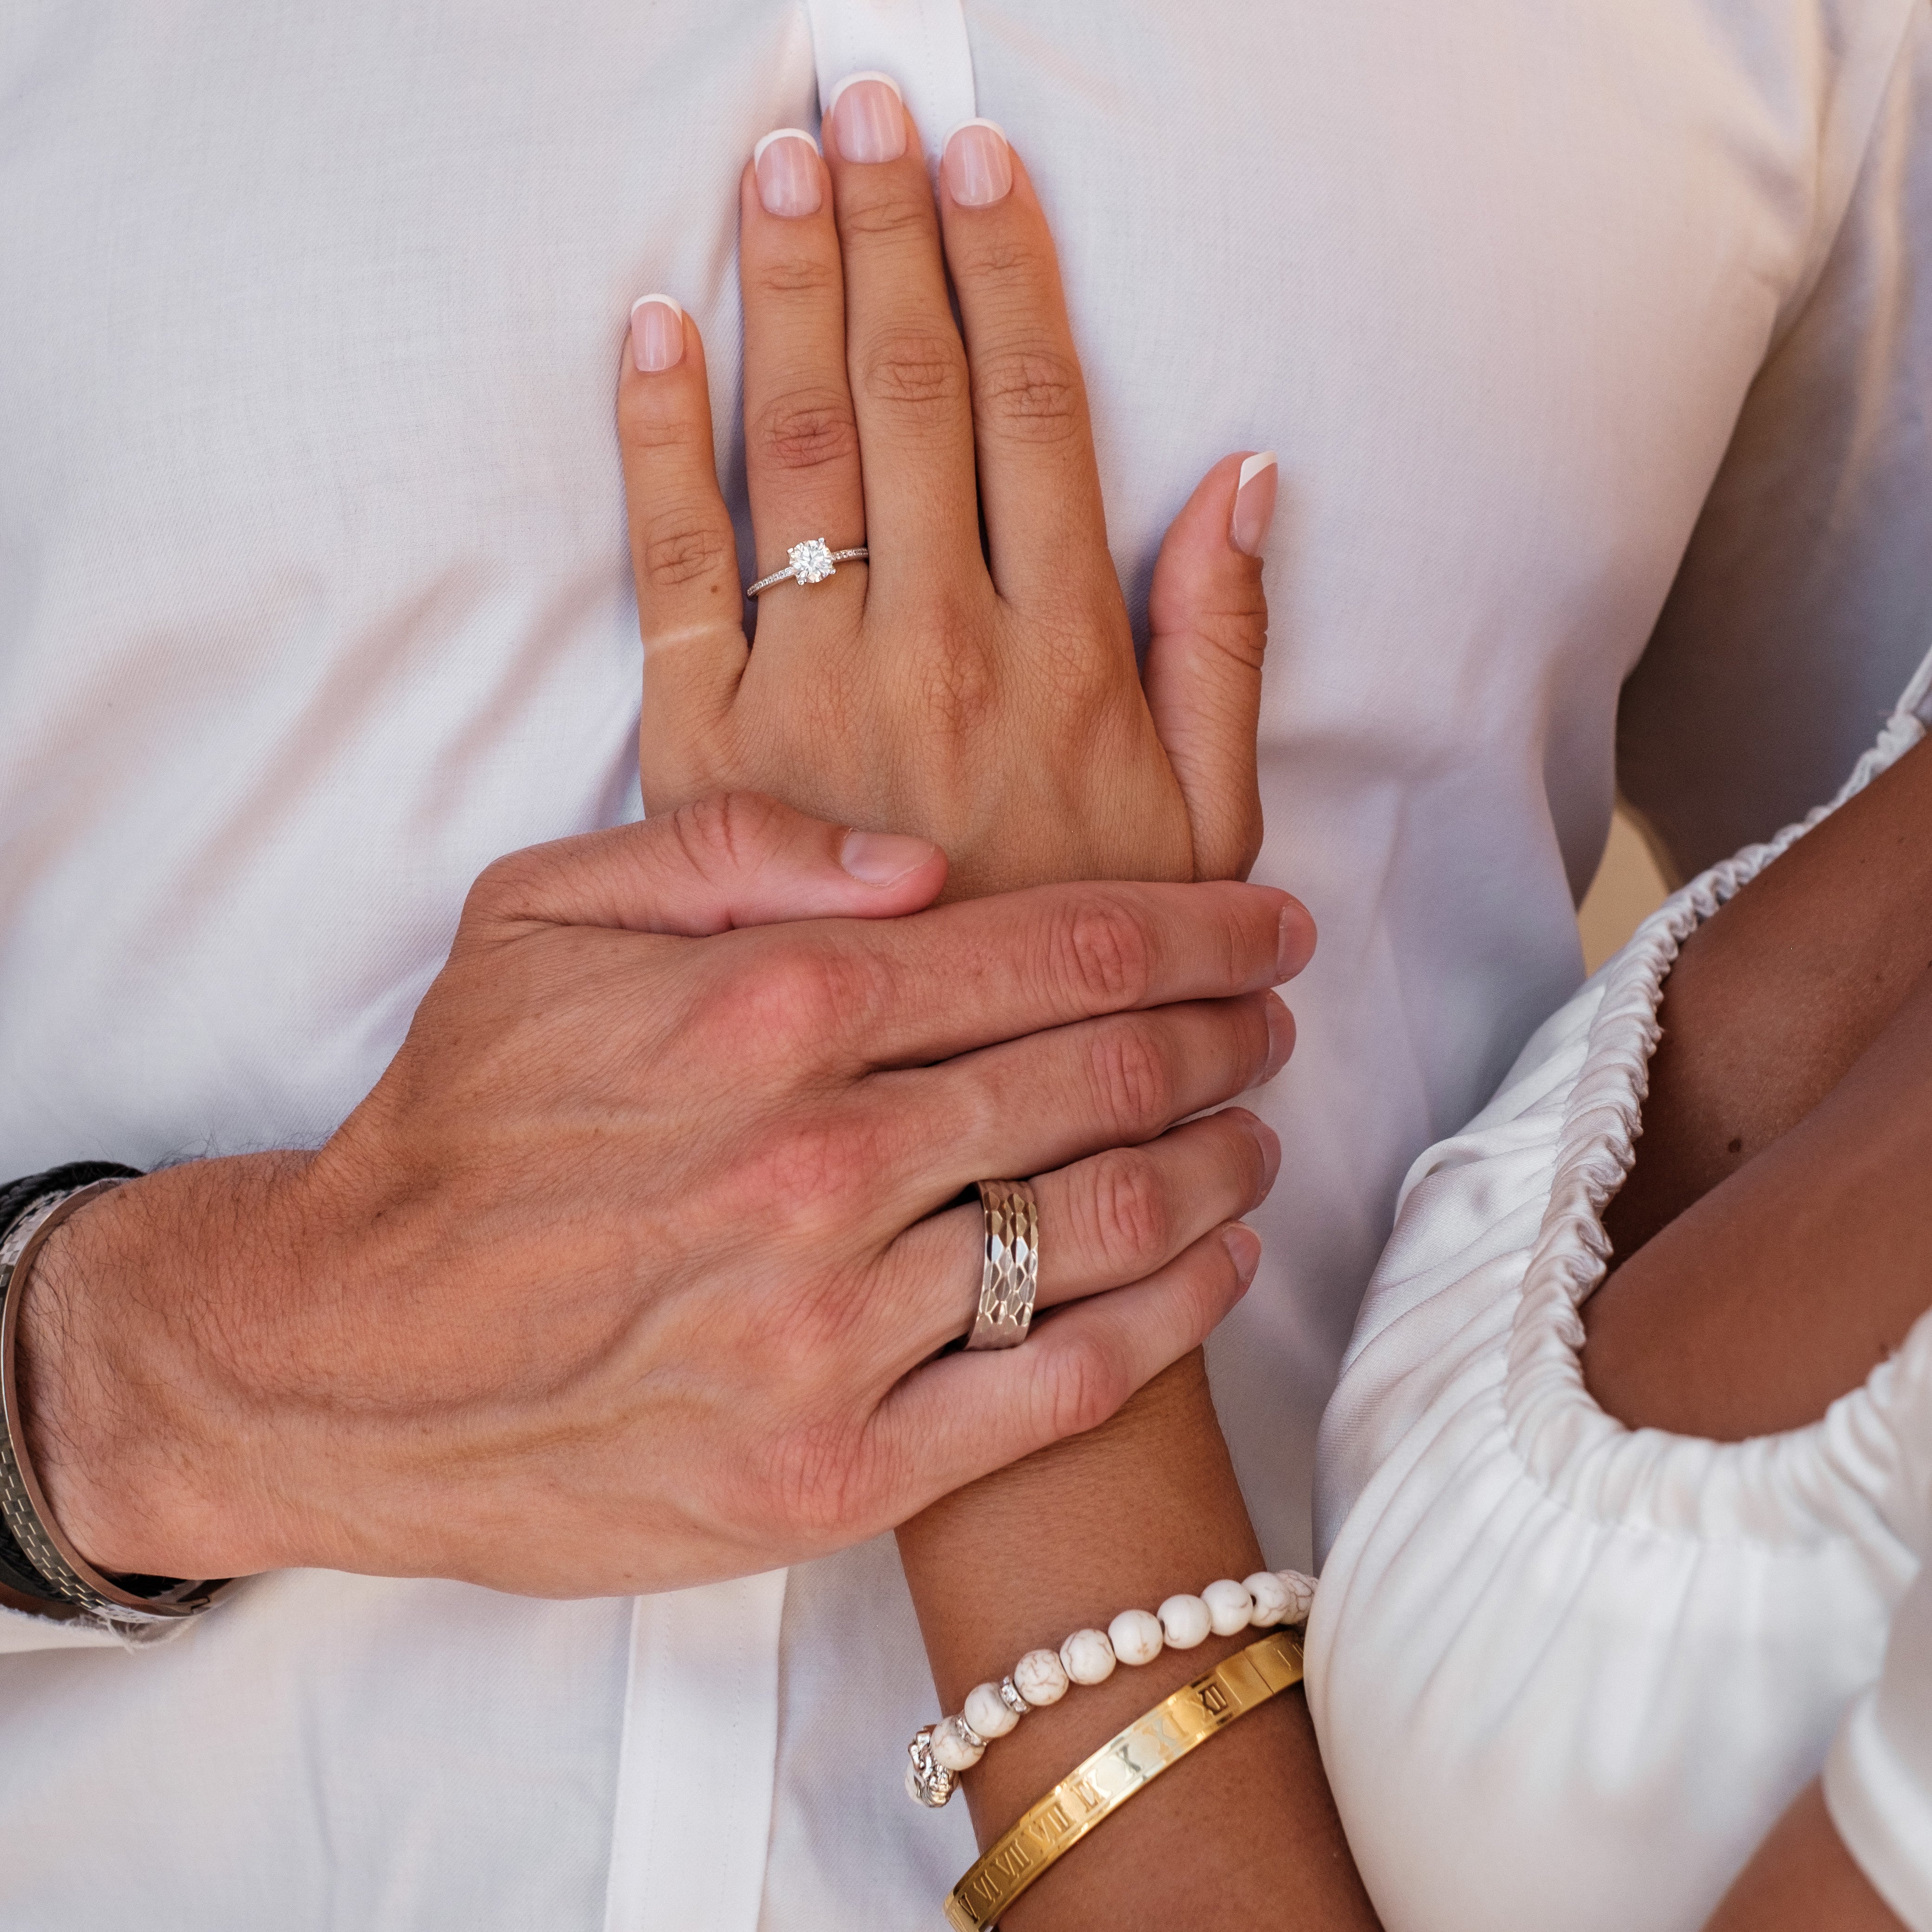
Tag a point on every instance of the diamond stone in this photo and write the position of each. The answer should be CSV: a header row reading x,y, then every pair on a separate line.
x,y
811,561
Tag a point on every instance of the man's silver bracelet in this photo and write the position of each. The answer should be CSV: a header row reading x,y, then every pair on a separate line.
x,y
44,1568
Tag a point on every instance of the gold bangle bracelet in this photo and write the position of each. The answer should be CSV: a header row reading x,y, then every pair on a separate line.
x,y
1095,1790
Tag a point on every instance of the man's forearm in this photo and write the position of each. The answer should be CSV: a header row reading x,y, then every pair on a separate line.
x,y
1129,1513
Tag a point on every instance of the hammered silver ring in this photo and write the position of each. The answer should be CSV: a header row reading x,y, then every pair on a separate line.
x,y
1010,1264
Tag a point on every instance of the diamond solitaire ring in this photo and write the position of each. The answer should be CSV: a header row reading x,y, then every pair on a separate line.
x,y
811,562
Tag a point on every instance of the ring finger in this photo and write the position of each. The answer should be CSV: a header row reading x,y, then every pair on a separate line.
x,y
1105,1222
801,441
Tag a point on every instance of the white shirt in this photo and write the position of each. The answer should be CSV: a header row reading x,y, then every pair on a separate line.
x,y
313,597
1567,1675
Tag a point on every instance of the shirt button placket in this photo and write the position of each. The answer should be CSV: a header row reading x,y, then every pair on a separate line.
x,y
921,44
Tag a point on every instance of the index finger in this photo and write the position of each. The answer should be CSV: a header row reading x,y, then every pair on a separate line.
x,y
943,982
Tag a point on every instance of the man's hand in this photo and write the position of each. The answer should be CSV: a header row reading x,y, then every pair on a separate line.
x,y
628,1274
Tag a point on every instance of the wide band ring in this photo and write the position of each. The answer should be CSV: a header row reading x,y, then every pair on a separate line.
x,y
812,562
1010,1264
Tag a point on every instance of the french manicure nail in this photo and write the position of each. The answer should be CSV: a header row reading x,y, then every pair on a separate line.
x,y
1254,503
977,166
1244,1250
786,164
880,858
867,118
657,333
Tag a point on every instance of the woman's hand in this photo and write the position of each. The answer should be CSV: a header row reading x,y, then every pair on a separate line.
x,y
963,692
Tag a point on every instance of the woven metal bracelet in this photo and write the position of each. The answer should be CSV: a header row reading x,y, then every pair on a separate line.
x,y
35,1558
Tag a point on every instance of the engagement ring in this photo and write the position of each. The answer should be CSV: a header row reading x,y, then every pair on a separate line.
x,y
812,562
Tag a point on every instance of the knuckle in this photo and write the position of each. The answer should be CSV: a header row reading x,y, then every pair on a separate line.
x,y
680,548
822,1479
1132,1223
918,374
790,276
1001,261
500,886
1238,634
1133,1080
724,832
810,992
650,422
961,697
807,429
1031,394
886,215
1103,954
1087,1381
805,1177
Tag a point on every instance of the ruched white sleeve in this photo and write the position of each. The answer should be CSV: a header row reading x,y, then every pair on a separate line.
x,y
1878,1776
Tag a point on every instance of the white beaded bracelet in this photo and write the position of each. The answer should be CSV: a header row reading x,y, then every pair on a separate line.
x,y
941,1751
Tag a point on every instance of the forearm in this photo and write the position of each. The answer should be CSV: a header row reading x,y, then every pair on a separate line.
x,y
1784,1136
1126,1515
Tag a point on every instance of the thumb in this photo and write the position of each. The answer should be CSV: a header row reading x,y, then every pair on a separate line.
x,y
1208,619
733,859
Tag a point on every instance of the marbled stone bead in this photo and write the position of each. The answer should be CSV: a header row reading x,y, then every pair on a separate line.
x,y
987,1712
1229,1607
1300,1595
952,1749
1040,1678
1135,1636
1088,1656
1272,1600
1184,1622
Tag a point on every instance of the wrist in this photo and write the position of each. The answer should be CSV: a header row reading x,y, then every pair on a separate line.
x,y
1141,1508
138,1434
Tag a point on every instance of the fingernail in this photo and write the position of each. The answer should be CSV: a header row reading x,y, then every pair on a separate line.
x,y
1295,940
657,333
977,166
1281,1037
867,118
1254,503
1269,1142
879,858
786,163
1244,1250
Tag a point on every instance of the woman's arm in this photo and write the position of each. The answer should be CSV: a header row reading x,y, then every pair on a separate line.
x,y
1801,1878
1773,997
1143,1506
1773,1234
1775,1223
987,694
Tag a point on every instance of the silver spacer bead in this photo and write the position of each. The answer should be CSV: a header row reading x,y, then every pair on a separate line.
x,y
1010,1696
928,1780
967,1731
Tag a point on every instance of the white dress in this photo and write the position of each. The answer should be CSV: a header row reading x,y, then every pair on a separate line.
x,y
1566,1674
